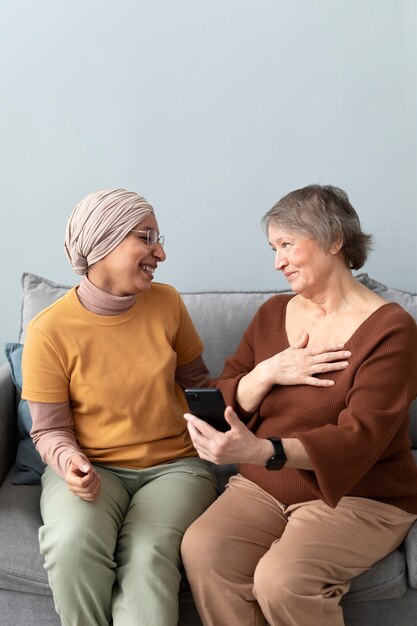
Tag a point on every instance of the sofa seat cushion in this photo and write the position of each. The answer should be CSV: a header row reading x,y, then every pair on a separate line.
x,y
21,565
387,579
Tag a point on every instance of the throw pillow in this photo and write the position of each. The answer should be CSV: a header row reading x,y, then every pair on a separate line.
x,y
406,299
29,465
38,293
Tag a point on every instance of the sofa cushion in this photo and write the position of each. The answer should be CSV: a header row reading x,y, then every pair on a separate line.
x,y
407,299
221,319
38,293
21,565
387,579
29,465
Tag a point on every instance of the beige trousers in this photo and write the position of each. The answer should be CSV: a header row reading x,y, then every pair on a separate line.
x,y
251,560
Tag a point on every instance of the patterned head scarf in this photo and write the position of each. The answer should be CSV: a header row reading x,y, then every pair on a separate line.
x,y
99,223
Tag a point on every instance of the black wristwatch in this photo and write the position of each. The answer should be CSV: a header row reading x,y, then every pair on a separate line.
x,y
279,458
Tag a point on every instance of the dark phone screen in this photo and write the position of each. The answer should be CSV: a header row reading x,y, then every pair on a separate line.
x,y
208,405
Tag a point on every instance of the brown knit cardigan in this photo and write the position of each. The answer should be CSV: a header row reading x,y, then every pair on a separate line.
x,y
355,432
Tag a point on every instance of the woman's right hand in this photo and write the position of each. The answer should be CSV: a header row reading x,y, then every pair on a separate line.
x,y
296,365
82,479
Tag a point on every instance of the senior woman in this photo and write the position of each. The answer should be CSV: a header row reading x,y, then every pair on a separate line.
x,y
327,483
103,371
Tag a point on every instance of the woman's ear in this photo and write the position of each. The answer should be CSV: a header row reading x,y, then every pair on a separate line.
x,y
336,247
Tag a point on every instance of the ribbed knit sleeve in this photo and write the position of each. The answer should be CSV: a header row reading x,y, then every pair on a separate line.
x,y
234,370
376,409
260,333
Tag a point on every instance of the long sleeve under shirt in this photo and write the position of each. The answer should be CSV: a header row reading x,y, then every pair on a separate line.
x,y
355,432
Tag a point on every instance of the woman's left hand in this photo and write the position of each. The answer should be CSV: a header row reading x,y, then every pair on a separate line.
x,y
237,445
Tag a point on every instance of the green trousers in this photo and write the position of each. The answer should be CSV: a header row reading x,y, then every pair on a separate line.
x,y
116,560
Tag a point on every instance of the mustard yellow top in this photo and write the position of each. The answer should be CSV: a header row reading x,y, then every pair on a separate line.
x,y
118,372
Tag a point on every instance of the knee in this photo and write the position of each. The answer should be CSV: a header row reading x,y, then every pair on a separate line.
x,y
71,547
148,554
276,581
265,585
200,546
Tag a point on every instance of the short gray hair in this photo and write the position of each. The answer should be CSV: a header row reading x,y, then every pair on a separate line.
x,y
324,214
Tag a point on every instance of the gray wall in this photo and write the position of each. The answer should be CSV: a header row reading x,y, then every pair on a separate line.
x,y
212,110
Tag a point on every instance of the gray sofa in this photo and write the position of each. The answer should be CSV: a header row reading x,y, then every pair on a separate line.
x,y
386,594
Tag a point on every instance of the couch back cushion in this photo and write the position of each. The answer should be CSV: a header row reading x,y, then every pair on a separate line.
x,y
221,318
29,465
38,293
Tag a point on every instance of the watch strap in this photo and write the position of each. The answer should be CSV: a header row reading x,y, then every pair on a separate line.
x,y
279,458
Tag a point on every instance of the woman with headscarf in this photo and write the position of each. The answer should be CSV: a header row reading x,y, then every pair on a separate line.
x,y
103,370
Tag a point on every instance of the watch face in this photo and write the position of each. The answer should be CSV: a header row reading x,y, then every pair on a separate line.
x,y
275,462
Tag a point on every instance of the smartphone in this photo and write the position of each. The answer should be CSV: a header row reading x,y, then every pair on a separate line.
x,y
208,405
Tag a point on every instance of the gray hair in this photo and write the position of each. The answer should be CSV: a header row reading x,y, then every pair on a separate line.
x,y
325,215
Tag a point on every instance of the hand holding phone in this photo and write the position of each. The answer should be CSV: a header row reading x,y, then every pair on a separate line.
x,y
208,405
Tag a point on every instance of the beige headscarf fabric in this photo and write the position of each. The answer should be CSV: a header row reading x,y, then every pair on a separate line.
x,y
99,223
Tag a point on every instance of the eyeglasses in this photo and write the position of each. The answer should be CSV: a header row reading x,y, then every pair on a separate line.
x,y
150,237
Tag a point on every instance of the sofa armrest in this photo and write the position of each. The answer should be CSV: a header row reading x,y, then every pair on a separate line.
x,y
8,431
410,544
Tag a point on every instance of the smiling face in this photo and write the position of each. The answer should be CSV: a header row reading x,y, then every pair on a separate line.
x,y
129,268
306,266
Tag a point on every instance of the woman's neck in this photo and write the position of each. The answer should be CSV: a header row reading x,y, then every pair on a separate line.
x,y
338,292
101,302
